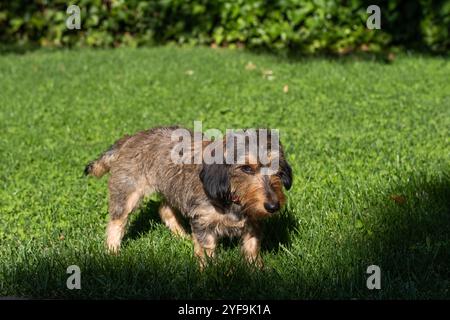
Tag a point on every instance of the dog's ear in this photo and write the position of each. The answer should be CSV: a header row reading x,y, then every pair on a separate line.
x,y
216,181
285,174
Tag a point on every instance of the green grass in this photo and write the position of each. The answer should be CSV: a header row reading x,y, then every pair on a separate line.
x,y
369,144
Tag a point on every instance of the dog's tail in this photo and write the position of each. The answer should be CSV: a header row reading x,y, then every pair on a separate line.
x,y
102,164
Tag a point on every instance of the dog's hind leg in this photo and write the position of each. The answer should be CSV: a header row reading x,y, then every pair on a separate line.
x,y
120,205
170,219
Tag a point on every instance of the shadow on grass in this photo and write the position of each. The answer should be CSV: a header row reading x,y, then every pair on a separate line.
x,y
144,221
292,55
277,230
405,230
407,234
16,49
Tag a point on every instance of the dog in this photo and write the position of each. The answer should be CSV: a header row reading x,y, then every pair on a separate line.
x,y
218,199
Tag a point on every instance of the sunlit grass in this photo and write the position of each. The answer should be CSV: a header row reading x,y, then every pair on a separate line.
x,y
368,142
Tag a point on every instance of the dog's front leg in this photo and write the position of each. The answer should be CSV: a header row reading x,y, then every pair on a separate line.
x,y
251,245
205,240
204,246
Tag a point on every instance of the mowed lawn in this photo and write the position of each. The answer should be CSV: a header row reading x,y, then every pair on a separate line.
x,y
369,144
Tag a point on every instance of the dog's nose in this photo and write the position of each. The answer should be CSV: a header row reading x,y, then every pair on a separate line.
x,y
272,206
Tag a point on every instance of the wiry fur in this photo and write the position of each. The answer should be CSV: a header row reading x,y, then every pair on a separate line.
x,y
220,200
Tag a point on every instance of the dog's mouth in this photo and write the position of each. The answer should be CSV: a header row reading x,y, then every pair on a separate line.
x,y
257,212
254,210
235,198
264,214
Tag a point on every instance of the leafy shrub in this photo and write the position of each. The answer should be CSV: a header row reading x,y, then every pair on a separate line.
x,y
307,26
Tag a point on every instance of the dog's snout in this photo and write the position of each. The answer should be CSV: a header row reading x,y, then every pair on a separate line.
x,y
272,206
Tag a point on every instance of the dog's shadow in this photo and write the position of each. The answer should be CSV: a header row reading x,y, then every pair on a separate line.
x,y
145,220
277,230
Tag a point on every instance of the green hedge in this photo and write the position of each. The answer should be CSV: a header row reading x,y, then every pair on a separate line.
x,y
308,26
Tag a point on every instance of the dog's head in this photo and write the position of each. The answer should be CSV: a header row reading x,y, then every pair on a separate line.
x,y
252,177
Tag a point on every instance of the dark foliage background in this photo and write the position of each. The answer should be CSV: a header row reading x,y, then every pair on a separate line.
x,y
303,26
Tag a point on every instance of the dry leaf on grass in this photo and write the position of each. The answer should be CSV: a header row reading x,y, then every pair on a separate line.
x,y
250,66
268,74
391,56
365,48
399,199
286,88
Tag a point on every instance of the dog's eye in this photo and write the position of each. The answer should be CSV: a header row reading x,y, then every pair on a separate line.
x,y
247,169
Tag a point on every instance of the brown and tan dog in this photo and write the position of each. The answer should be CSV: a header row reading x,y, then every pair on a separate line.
x,y
219,199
